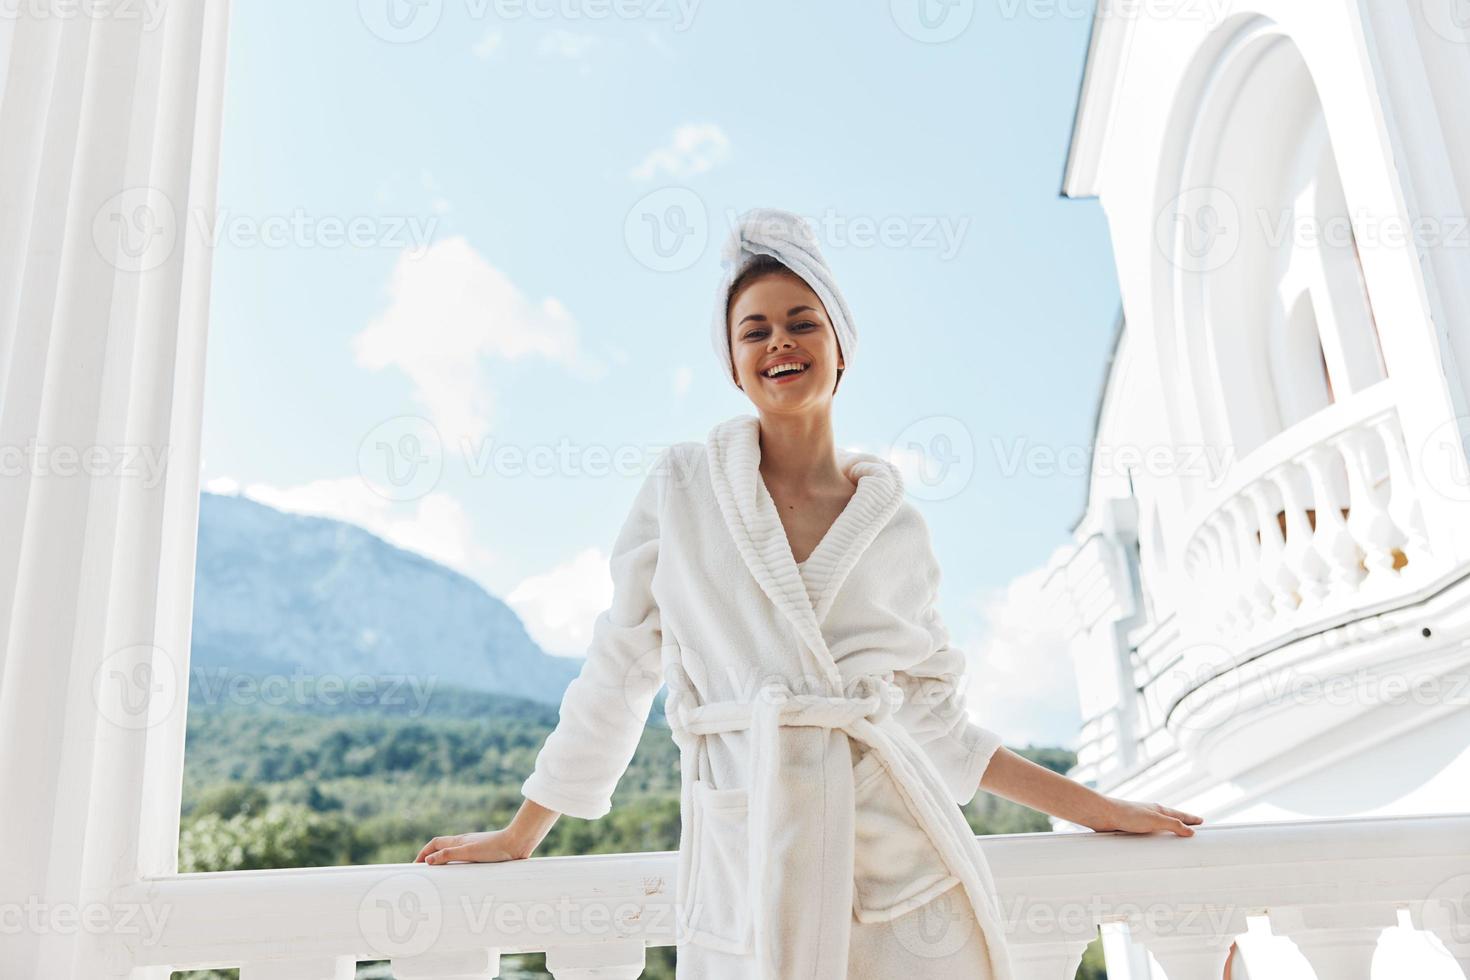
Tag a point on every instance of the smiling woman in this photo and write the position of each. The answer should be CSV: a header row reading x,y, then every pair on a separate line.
x,y
825,748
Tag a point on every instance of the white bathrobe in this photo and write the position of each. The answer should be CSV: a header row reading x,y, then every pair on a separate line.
x,y
824,744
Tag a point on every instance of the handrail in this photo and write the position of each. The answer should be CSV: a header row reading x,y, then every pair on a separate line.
x,y
1054,888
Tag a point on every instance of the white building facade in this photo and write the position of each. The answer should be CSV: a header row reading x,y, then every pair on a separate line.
x,y
1267,596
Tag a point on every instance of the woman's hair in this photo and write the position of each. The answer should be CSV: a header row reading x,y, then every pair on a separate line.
x,y
765,265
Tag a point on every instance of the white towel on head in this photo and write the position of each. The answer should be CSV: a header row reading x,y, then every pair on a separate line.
x,y
790,239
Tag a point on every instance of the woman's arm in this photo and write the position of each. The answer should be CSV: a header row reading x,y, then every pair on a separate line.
x,y
971,757
605,707
1019,779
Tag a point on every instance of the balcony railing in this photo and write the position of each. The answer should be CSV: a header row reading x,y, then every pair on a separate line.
x,y
1330,886
1321,523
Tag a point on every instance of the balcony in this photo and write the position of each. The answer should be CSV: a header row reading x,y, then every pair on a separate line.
x,y
1330,887
1319,525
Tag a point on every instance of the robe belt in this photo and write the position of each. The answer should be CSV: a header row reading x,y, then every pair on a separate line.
x,y
867,716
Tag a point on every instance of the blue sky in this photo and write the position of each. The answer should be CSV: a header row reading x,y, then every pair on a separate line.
x,y
500,170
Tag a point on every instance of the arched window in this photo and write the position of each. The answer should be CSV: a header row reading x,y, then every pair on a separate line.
x,y
1301,381
1274,321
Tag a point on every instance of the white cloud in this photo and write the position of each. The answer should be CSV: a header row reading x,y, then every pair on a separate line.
x,y
1022,682
560,606
489,44
226,485
566,44
692,149
435,526
449,313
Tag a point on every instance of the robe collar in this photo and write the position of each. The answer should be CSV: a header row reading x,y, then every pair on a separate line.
x,y
733,451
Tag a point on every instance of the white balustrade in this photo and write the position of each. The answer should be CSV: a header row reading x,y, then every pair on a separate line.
x,y
1330,886
1315,524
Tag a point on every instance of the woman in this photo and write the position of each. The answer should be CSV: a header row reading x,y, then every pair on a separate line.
x,y
785,591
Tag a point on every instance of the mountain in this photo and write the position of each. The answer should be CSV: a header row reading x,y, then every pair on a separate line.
x,y
287,594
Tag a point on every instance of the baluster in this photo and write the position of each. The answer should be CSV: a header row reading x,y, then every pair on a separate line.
x,y
1253,592
1047,961
622,960
1220,617
1337,940
1193,947
1189,957
1303,560
1237,609
1275,574
1199,567
459,964
1331,539
322,968
1403,500
1368,519
1123,956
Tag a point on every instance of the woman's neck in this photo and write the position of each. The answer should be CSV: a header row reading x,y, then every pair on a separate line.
x,y
799,451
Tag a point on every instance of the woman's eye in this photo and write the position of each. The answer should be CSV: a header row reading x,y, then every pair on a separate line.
x,y
760,332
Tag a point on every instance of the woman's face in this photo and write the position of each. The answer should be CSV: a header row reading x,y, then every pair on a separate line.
x,y
778,319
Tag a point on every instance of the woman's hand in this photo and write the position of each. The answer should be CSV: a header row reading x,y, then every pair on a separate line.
x,y
525,832
1017,778
486,846
1144,818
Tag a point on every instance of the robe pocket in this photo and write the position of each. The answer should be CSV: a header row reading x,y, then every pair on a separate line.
x,y
717,913
896,867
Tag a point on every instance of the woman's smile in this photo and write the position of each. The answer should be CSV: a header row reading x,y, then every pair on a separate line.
x,y
787,377
786,369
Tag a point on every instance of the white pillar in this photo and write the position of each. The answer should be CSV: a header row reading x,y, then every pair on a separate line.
x,y
621,960
328,968
109,123
461,964
1337,940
